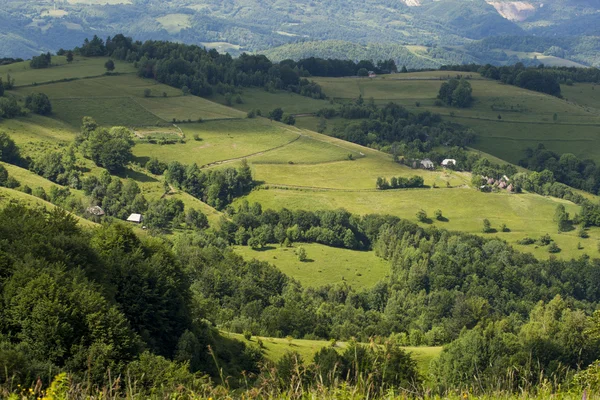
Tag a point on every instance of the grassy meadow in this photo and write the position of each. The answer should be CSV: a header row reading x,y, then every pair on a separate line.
x,y
465,208
275,348
81,67
121,100
526,117
324,265
303,169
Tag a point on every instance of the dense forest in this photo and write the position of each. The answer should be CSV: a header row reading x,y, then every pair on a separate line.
x,y
88,302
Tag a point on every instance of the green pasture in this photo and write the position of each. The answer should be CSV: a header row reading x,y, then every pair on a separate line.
x,y
117,111
34,131
526,117
465,208
358,174
184,108
291,103
120,100
324,266
81,67
584,94
305,150
219,141
275,348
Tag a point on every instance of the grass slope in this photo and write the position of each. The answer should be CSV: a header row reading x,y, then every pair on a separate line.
x,y
275,348
527,118
465,208
120,100
81,67
325,265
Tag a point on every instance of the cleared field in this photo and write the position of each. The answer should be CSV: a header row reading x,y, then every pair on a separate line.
x,y
358,174
305,150
584,94
120,100
29,132
525,214
106,111
324,266
174,23
526,117
219,140
508,140
81,67
275,348
184,108
291,103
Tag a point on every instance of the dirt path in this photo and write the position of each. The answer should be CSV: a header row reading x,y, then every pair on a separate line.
x,y
212,164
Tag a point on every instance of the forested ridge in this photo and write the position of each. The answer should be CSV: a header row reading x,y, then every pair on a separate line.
x,y
85,301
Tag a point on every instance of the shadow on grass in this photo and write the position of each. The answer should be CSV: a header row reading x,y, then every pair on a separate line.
x,y
136,176
442,219
266,248
141,160
308,260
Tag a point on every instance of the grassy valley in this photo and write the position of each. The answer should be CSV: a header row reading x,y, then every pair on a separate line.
x,y
298,245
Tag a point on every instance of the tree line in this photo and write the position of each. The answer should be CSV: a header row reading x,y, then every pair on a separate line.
x,y
196,70
539,79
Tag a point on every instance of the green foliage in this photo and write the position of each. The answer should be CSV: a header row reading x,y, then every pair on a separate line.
x,y
422,216
154,166
399,182
38,103
41,61
301,253
216,187
109,65
457,93
109,148
487,226
276,114
9,152
289,120
9,108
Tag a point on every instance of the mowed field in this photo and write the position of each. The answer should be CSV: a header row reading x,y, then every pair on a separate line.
x,y
81,67
526,117
324,265
275,348
121,100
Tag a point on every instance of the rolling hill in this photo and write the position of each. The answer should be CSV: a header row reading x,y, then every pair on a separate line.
x,y
301,169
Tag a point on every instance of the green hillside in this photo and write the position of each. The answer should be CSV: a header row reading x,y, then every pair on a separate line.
x,y
324,266
275,348
527,118
301,169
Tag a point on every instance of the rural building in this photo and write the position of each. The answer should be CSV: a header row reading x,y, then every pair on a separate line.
x,y
372,74
95,210
510,188
448,162
136,218
502,185
427,164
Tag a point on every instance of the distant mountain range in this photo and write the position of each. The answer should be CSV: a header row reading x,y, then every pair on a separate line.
x,y
415,32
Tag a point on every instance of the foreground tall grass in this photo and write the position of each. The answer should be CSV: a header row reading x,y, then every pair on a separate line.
x,y
267,386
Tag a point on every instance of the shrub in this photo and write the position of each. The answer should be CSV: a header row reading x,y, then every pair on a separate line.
x,y
38,103
487,226
553,248
422,216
